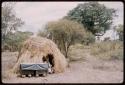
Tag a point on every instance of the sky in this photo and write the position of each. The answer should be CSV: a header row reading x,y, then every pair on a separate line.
x,y
37,14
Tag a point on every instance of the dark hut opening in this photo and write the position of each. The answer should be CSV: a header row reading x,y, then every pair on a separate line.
x,y
50,59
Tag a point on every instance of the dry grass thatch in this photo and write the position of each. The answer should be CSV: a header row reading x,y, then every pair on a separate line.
x,y
35,48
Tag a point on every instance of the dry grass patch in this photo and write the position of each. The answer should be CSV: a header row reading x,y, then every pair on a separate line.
x,y
108,50
77,52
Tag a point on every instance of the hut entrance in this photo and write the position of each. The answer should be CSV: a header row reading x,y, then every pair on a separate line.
x,y
50,59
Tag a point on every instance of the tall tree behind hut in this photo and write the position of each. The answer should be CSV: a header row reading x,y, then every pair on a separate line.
x,y
65,33
95,17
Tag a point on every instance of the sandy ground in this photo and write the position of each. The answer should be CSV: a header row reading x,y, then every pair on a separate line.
x,y
89,70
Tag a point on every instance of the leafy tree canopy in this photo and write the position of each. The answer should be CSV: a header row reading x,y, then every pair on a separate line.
x,y
95,17
65,33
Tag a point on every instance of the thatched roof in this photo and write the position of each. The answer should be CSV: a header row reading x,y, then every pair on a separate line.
x,y
35,48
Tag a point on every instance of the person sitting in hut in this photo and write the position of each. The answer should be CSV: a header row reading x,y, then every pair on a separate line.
x,y
50,70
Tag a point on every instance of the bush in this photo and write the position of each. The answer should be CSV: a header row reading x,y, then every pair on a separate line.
x,y
13,41
88,38
108,50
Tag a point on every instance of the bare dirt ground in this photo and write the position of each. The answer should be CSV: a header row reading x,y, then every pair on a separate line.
x,y
87,70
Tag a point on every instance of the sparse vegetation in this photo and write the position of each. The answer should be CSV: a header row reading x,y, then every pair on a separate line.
x,y
76,52
108,50
13,41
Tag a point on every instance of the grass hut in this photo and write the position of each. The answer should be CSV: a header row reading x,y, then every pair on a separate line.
x,y
38,50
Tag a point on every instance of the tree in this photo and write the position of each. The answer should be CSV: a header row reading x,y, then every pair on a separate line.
x,y
119,30
95,17
65,33
43,33
9,20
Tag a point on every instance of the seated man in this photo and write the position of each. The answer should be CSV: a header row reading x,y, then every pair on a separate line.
x,y
50,69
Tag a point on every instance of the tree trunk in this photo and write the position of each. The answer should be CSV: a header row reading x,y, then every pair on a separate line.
x,y
66,53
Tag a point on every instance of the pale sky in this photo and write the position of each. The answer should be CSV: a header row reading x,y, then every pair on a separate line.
x,y
37,14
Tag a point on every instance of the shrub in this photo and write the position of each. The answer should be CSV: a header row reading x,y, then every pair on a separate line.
x,y
13,41
88,38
